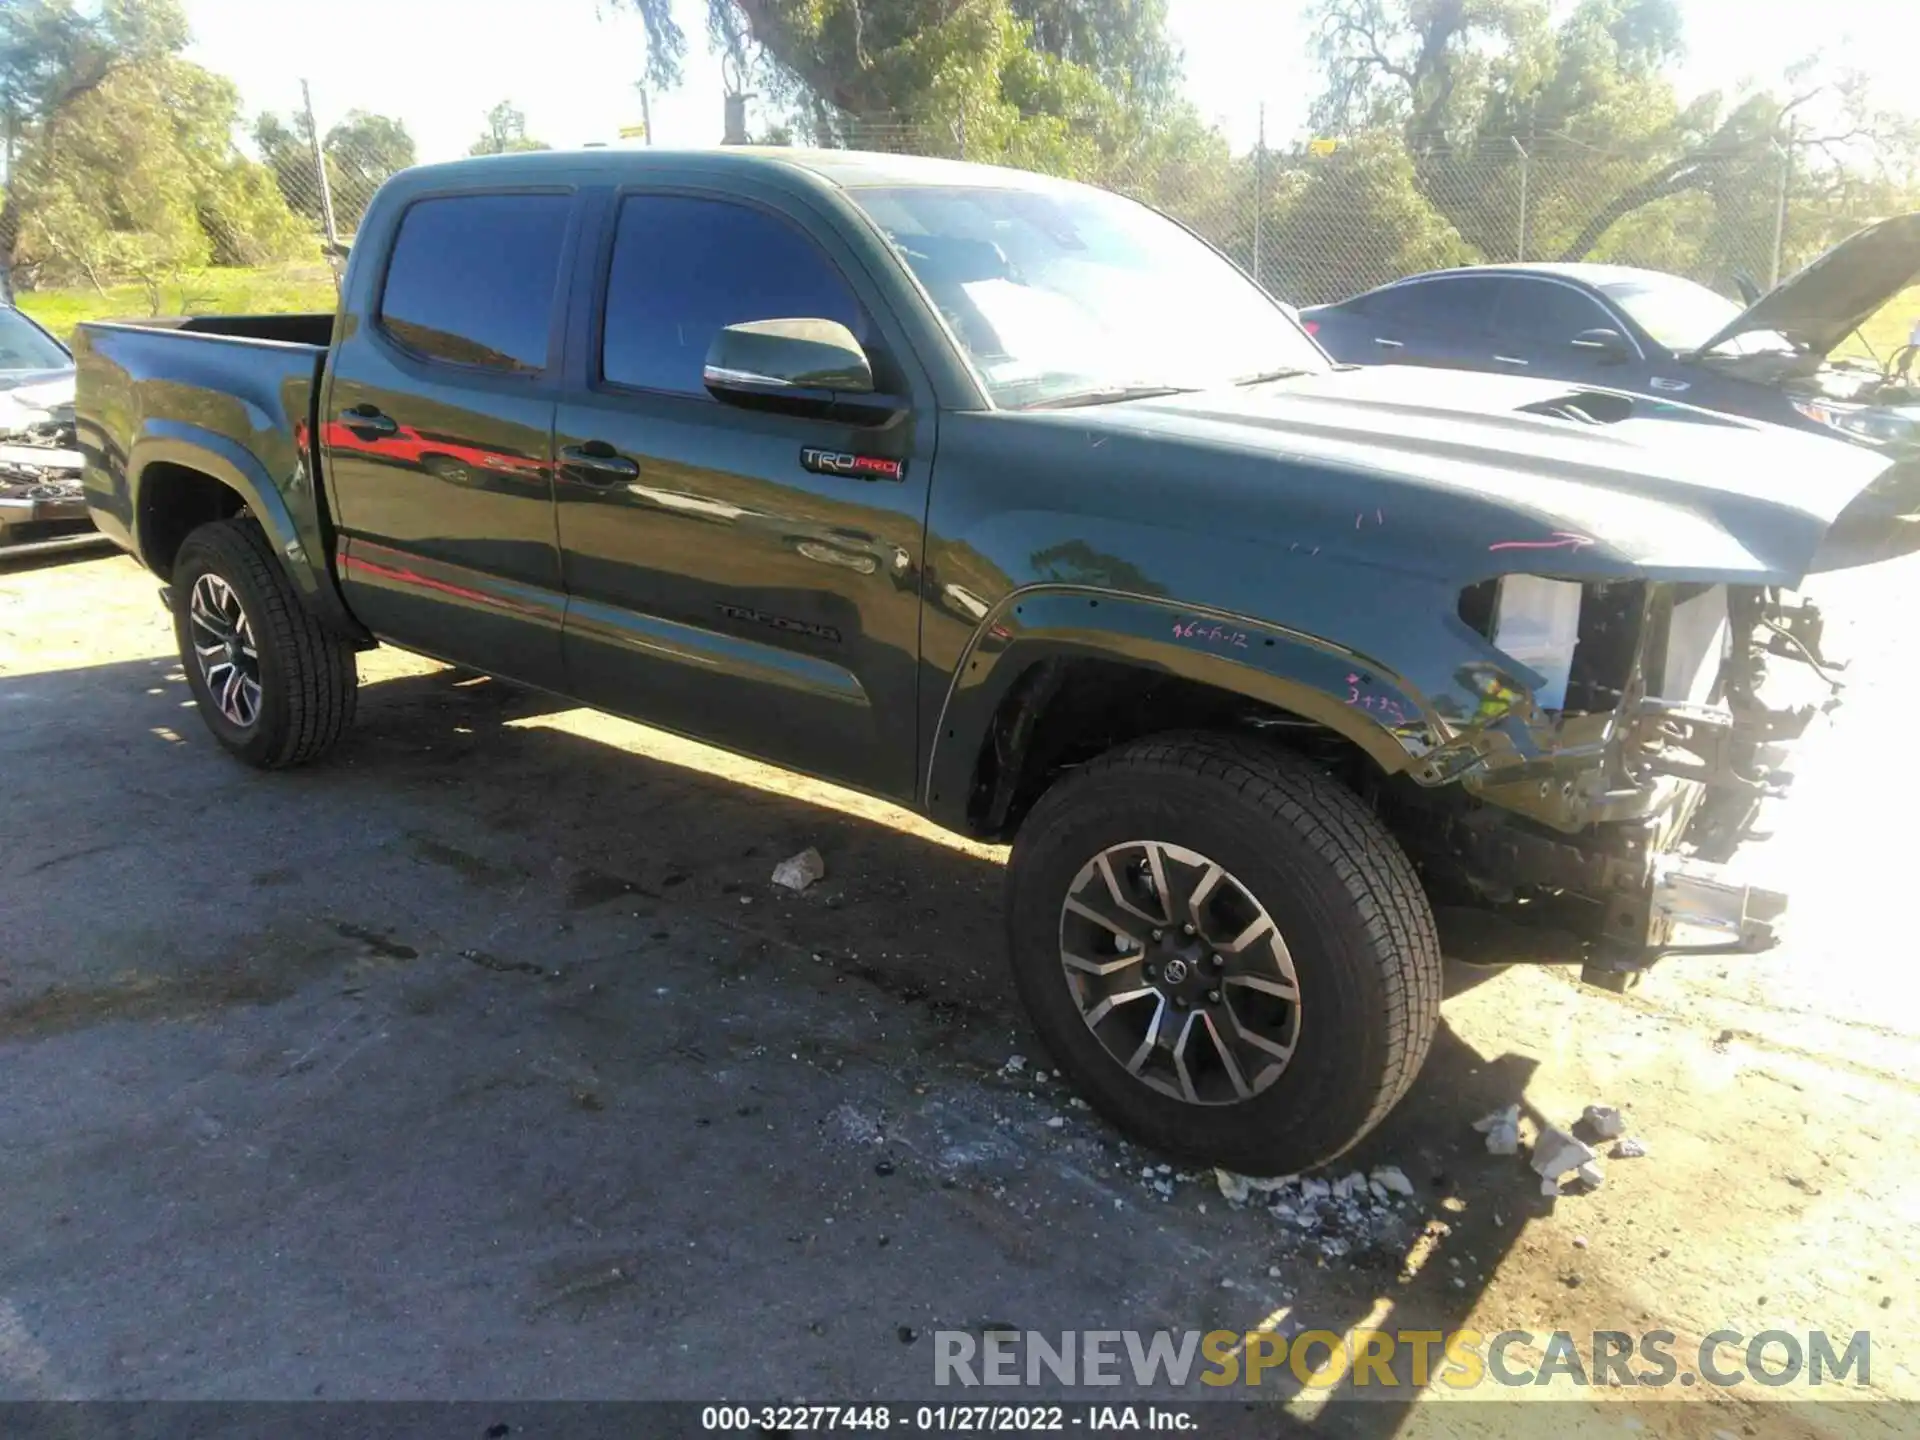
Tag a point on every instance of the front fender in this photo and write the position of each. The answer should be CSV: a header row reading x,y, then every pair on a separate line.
x,y
1352,694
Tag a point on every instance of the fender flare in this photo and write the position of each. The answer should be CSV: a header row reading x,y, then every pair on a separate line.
x,y
1319,680
300,542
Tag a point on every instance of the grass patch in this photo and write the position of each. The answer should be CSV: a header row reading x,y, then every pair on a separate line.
x,y
275,290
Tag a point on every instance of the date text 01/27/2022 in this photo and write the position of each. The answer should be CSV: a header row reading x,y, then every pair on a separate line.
x,y
950,1419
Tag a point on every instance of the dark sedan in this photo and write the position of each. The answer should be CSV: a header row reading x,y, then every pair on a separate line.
x,y
1652,333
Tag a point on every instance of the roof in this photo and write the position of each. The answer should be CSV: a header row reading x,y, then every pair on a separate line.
x,y
1585,272
846,169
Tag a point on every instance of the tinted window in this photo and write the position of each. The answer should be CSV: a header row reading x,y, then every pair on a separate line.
x,y
1547,313
684,269
472,279
1456,306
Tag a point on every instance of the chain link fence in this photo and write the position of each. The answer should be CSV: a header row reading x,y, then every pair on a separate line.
x,y
1313,223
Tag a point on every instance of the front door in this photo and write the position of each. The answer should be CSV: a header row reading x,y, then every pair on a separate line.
x,y
726,576
437,433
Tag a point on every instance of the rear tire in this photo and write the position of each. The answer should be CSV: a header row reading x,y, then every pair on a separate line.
x,y
274,686
1295,852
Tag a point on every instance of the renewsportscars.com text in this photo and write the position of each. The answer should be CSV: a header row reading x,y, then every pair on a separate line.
x,y
1388,1359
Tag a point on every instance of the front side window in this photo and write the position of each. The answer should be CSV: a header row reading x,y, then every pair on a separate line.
x,y
684,268
1548,313
472,279
1064,292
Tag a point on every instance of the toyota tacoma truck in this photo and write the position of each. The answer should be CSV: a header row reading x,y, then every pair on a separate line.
x,y
1012,501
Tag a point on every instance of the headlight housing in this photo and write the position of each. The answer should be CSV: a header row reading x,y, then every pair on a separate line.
x,y
1874,424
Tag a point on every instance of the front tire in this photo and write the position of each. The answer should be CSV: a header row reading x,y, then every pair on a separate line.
x,y
274,686
1224,950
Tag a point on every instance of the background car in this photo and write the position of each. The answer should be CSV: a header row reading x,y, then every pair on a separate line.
x,y
41,505
1645,331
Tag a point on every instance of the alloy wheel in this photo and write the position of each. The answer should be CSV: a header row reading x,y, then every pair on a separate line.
x,y
1180,972
223,646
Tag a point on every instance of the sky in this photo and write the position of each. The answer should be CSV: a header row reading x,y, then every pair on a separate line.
x,y
571,65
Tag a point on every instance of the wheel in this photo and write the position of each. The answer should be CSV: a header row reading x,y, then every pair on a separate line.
x,y
1224,950
274,687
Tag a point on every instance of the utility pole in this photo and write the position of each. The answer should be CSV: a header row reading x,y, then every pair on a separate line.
x,y
320,170
1780,209
646,113
1259,193
1526,160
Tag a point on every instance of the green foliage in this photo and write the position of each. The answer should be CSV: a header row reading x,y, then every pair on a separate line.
x,y
125,163
506,132
222,290
1366,198
360,152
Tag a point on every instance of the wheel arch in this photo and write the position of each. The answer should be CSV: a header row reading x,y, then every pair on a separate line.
x,y
183,476
1055,674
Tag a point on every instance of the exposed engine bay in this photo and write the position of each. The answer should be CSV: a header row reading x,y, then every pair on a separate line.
x,y
1665,717
42,506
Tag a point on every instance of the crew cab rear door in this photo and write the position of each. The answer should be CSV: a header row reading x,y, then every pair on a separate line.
x,y
751,578
437,430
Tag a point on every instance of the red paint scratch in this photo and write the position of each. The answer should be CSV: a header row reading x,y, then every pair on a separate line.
x,y
1562,540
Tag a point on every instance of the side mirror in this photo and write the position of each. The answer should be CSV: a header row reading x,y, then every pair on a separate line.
x,y
1609,347
812,368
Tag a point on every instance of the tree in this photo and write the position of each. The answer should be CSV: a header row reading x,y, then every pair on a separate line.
x,y
124,162
1024,80
53,55
361,152
506,132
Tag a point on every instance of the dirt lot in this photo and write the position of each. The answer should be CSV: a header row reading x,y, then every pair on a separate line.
x,y
484,1061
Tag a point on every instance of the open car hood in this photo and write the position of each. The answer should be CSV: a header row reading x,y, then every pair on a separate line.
x,y
1837,293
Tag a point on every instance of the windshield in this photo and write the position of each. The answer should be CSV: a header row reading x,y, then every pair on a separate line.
x,y
1070,293
1683,315
24,346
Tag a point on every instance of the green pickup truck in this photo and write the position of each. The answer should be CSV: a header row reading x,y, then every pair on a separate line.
x,y
1012,501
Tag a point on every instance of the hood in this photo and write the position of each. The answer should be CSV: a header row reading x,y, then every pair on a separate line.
x,y
1505,473
1839,292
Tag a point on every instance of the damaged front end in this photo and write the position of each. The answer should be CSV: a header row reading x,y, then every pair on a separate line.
x,y
1618,759
42,506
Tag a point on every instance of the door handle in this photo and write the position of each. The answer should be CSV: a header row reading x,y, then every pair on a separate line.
x,y
366,419
1385,343
598,463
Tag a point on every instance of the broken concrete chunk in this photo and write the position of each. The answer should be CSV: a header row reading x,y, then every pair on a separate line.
x,y
797,872
1392,1178
1549,1187
1502,1129
1606,1121
1314,1188
1015,1064
1591,1175
1629,1148
1557,1152
1238,1188
1349,1187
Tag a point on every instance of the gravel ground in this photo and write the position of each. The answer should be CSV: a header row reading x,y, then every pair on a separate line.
x,y
484,1061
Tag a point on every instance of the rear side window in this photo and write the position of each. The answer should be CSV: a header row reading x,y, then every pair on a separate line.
x,y
1547,312
472,279
1460,305
685,268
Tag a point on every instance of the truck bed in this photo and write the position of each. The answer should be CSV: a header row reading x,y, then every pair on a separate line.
x,y
233,392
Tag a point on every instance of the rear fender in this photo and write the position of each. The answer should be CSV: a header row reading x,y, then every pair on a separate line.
x,y
298,542
1349,693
